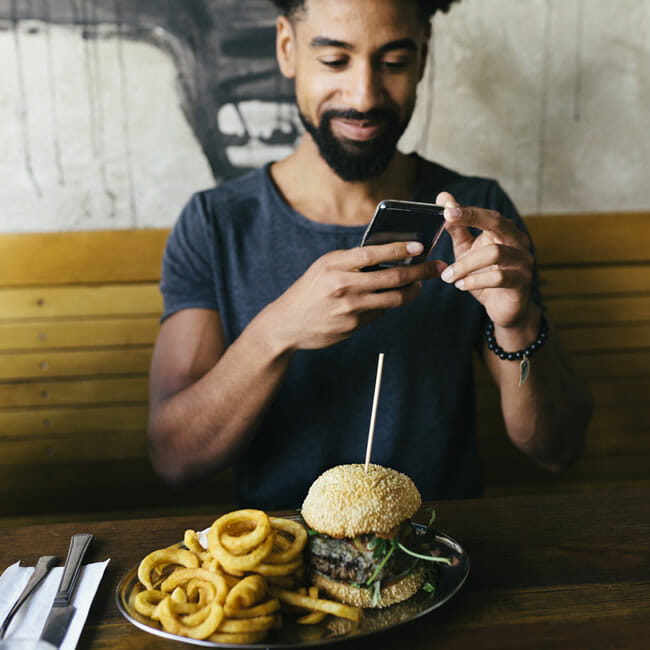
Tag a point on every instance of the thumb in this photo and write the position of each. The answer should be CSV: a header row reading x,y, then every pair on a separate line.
x,y
461,237
444,198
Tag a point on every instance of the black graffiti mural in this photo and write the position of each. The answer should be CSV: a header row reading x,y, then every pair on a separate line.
x,y
224,55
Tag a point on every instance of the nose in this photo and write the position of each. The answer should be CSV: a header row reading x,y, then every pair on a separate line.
x,y
365,87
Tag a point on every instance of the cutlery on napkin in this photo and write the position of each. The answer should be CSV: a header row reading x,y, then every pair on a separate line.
x,y
44,564
62,610
28,622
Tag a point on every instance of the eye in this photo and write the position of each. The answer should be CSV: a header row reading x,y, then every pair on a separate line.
x,y
334,63
395,63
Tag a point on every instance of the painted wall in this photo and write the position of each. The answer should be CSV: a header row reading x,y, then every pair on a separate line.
x,y
549,96
112,112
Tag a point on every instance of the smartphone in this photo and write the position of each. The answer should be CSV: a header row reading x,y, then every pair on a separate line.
x,y
405,221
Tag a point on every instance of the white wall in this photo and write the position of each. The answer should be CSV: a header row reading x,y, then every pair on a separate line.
x,y
549,96
91,133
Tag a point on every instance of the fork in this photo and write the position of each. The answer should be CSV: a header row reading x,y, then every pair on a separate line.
x,y
44,564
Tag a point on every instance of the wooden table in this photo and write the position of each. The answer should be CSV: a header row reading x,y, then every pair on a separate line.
x,y
556,571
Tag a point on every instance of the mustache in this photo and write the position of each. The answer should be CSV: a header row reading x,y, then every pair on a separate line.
x,y
373,115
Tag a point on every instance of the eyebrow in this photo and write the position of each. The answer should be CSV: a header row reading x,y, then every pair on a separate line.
x,y
399,44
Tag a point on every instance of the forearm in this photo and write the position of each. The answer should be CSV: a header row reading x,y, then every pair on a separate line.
x,y
207,423
207,399
546,416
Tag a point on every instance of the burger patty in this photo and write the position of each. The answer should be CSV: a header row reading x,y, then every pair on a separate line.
x,y
342,559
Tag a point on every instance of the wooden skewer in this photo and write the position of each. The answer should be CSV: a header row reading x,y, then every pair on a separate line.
x,y
373,415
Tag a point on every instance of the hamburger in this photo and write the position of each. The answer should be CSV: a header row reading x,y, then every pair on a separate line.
x,y
361,535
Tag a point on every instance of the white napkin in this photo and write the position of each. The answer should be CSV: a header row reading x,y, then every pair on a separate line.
x,y
29,621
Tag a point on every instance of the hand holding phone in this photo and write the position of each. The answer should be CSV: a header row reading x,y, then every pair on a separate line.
x,y
405,221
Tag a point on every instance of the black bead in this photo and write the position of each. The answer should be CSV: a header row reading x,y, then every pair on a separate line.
x,y
520,354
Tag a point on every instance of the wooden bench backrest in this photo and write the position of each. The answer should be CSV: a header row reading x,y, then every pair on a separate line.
x,y
595,280
79,314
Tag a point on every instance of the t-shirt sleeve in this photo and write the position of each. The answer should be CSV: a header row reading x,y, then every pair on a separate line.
x,y
187,279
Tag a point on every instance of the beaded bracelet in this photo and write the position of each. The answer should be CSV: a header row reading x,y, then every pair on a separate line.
x,y
521,355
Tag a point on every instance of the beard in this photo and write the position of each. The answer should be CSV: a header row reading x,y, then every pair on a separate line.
x,y
356,160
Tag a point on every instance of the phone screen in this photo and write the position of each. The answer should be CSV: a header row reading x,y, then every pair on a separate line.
x,y
405,221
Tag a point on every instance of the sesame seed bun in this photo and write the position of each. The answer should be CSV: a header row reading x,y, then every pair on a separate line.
x,y
360,597
346,501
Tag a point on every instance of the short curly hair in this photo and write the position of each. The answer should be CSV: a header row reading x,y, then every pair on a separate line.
x,y
427,7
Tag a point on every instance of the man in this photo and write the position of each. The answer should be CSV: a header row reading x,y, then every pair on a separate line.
x,y
267,352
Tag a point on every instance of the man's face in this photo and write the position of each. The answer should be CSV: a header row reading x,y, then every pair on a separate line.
x,y
356,67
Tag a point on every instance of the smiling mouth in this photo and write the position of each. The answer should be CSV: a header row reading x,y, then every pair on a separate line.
x,y
359,130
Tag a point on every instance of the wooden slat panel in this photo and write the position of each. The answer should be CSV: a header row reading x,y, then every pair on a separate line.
x,y
601,279
66,392
595,365
612,467
506,466
86,301
631,417
614,364
591,238
590,310
603,443
616,442
620,391
16,423
142,330
93,486
81,257
65,413
135,255
104,445
77,448
604,391
52,334
74,363
567,487
605,337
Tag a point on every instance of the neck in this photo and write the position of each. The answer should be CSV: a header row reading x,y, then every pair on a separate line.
x,y
310,186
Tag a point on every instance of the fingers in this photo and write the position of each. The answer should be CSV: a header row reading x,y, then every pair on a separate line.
x,y
388,263
400,275
494,265
380,282
363,257
500,229
445,198
376,302
459,218
340,273
334,297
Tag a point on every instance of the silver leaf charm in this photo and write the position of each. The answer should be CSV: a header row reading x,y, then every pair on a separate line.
x,y
524,368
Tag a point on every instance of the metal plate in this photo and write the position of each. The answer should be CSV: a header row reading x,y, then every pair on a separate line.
x,y
450,580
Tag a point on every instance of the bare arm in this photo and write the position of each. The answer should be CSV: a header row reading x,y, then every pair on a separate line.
x,y
206,398
547,416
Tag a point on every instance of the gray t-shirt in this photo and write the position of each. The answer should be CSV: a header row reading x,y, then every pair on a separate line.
x,y
239,246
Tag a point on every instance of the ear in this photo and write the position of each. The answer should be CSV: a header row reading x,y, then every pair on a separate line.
x,y
285,47
425,52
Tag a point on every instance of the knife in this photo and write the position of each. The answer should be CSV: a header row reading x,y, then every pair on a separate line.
x,y
44,564
62,611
